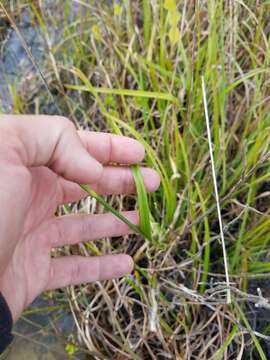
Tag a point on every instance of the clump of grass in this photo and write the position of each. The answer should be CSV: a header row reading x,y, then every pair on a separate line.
x,y
135,68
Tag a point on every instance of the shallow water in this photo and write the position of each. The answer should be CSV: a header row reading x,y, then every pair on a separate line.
x,y
14,62
36,335
43,334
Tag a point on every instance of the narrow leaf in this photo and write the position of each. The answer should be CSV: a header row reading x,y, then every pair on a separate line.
x,y
108,207
126,92
144,211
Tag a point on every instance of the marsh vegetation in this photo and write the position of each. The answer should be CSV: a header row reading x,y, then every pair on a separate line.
x,y
135,68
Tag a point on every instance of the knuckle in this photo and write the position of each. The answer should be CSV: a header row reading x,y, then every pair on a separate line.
x,y
64,123
136,219
126,181
85,228
75,272
109,146
99,269
115,223
57,233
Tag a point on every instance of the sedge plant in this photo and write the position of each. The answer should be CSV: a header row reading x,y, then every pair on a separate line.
x,y
135,68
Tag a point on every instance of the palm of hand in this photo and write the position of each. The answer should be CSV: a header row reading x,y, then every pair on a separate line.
x,y
42,162
32,270
31,261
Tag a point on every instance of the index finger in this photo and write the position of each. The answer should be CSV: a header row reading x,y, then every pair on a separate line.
x,y
109,148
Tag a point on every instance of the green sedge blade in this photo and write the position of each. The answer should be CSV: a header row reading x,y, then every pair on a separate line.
x,y
144,210
109,208
125,92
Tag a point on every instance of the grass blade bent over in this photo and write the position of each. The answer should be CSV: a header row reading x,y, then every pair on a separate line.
x,y
144,209
109,208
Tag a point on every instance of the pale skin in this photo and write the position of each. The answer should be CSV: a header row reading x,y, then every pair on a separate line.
x,y
42,161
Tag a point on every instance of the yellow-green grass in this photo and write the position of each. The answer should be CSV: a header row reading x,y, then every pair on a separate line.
x,y
134,68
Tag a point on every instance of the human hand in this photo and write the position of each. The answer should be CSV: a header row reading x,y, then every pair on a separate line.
x,y
42,160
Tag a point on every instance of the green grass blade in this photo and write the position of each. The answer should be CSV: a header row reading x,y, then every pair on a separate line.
x,y
144,210
146,22
170,194
220,353
109,208
126,92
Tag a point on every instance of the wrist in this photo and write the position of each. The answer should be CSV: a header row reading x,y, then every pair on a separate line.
x,y
8,302
10,296
6,323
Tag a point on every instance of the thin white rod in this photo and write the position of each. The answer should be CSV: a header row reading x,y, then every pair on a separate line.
x,y
229,298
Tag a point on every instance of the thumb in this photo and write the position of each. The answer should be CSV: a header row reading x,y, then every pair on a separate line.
x,y
51,141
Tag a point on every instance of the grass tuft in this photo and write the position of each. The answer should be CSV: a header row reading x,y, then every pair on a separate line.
x,y
134,68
